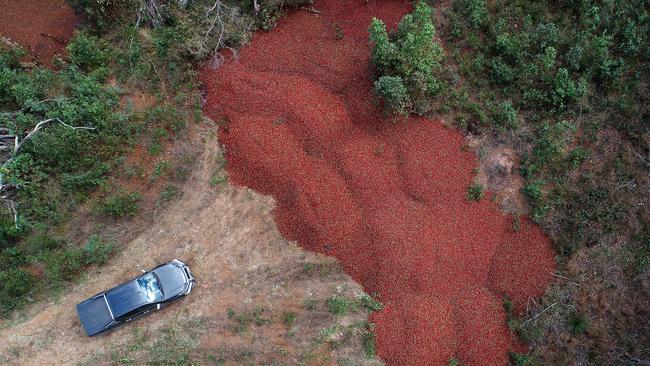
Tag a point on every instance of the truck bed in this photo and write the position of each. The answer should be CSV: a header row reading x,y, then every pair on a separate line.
x,y
95,314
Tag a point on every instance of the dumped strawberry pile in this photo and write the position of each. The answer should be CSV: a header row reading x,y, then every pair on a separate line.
x,y
43,27
388,200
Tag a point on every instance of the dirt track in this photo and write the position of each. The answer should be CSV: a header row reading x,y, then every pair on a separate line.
x,y
388,200
241,262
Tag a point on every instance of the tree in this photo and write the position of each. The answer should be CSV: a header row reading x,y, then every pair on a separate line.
x,y
407,61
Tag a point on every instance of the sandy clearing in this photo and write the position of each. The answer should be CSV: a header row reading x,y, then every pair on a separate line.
x,y
240,260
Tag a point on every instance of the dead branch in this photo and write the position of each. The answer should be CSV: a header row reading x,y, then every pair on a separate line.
x,y
217,18
646,162
6,189
152,10
564,278
39,125
541,312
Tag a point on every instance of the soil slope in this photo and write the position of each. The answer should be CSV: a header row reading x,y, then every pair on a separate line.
x,y
43,27
242,265
387,200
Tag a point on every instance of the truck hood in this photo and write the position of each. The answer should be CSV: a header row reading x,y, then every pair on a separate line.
x,y
172,279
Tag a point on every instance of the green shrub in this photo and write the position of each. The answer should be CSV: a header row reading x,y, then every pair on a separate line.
x,y
534,190
9,231
478,14
63,265
12,257
577,324
88,52
168,193
97,251
394,94
548,59
103,13
519,359
474,192
40,243
339,305
121,204
368,341
406,62
500,71
565,90
384,52
16,282
505,115
288,318
509,47
369,303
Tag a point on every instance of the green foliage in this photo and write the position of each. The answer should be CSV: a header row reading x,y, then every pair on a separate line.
x,y
339,305
571,71
505,115
369,303
168,193
500,71
288,318
477,10
384,51
16,282
368,341
97,250
406,62
519,359
534,190
392,90
40,243
59,160
60,262
63,264
88,52
475,192
121,204
9,231
59,167
103,13
566,91
577,324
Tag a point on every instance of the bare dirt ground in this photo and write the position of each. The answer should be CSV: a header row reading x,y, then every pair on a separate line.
x,y
259,299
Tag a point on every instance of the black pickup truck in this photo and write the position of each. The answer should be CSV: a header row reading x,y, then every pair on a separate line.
x,y
148,292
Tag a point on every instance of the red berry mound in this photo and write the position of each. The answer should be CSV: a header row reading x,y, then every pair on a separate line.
x,y
43,27
388,200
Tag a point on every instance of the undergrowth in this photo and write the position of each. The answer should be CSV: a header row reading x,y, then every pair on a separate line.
x,y
124,47
565,84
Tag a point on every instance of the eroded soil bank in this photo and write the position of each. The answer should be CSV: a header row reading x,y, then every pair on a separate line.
x,y
388,200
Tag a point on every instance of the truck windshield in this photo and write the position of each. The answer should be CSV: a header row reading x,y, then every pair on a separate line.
x,y
150,286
